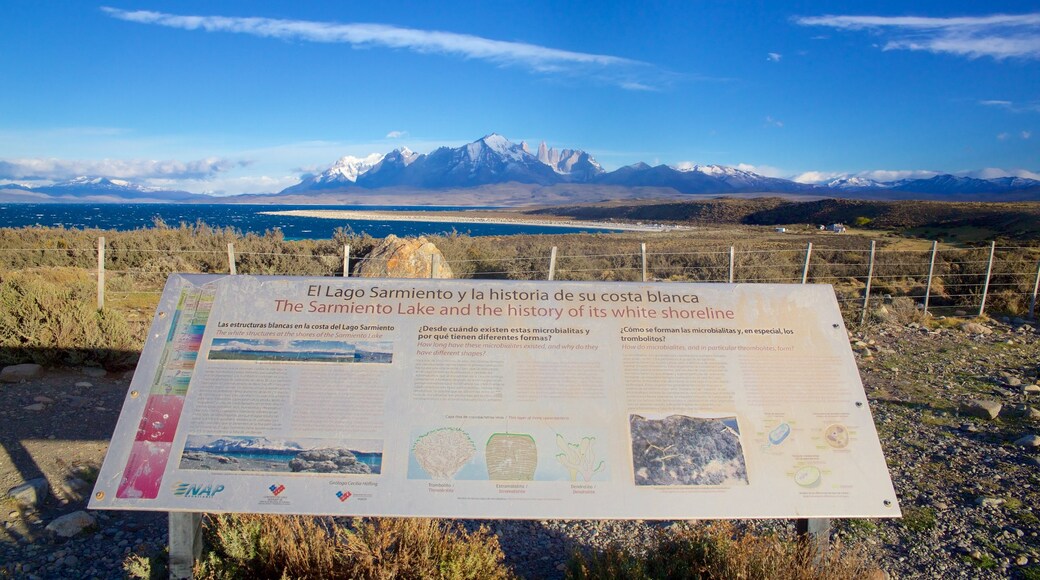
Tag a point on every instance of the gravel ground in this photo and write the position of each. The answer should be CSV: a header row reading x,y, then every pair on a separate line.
x,y
968,486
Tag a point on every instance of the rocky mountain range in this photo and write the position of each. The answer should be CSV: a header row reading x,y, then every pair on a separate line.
x,y
494,161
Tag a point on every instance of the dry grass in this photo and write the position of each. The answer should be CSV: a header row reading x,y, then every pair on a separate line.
x,y
264,546
717,551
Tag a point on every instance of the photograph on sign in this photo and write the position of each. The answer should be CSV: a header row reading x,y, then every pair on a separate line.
x,y
496,399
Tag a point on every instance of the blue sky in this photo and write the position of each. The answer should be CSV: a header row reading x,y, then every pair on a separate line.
x,y
232,97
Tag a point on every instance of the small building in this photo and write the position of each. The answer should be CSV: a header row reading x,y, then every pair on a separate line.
x,y
781,230
837,228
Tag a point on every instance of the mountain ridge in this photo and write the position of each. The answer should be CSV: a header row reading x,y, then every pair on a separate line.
x,y
494,161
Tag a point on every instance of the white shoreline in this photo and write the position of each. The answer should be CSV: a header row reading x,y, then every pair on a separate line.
x,y
455,219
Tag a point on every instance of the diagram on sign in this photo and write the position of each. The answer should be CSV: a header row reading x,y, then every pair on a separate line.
x,y
837,436
580,458
685,450
442,453
511,457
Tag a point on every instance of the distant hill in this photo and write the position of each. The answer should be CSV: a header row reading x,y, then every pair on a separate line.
x,y
1008,220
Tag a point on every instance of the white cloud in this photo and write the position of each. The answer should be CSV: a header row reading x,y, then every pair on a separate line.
x,y
766,170
1002,136
61,169
623,72
774,57
818,176
396,134
995,172
1032,107
1026,134
996,103
998,36
771,122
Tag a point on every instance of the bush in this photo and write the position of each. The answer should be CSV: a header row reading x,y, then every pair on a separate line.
x,y
264,546
717,551
49,316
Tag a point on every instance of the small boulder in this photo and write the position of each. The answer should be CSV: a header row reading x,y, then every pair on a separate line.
x,y
31,493
1028,441
1031,390
19,373
94,372
404,258
72,524
976,328
989,501
1020,411
981,408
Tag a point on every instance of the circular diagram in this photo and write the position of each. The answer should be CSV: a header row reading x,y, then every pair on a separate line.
x,y
837,436
808,476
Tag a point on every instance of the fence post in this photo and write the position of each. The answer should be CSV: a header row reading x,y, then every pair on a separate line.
x,y
346,261
989,272
101,273
552,263
1036,286
732,260
870,277
435,265
231,259
642,250
805,269
931,270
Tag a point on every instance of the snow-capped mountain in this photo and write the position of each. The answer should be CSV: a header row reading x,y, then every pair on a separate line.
x,y
493,159
102,189
574,163
855,183
945,184
250,444
699,179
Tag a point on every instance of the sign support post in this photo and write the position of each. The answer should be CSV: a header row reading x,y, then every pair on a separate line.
x,y
185,543
816,532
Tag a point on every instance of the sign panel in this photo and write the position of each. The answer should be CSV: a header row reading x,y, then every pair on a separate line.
x,y
496,399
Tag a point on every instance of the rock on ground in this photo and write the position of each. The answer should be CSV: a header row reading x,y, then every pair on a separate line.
x,y
31,493
398,257
19,373
983,409
72,524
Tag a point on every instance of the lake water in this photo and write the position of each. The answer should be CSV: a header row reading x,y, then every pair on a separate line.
x,y
248,219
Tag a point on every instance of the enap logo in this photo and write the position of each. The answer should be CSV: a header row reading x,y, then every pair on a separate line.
x,y
196,490
343,495
276,489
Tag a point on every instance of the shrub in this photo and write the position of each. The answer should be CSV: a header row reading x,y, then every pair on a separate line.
x,y
49,316
264,546
717,551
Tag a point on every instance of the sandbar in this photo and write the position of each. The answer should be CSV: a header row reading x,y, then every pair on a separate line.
x,y
454,218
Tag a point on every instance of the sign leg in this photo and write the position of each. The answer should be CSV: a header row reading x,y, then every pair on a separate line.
x,y
816,533
185,543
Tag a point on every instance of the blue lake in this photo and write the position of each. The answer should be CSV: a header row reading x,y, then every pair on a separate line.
x,y
248,219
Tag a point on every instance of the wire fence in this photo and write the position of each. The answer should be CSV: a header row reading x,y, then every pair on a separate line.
x,y
961,281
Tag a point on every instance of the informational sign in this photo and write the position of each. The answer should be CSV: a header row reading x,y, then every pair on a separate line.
x,y
496,399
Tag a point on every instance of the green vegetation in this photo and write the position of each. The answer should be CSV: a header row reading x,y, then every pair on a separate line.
x,y
260,546
919,519
50,317
717,551
47,282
